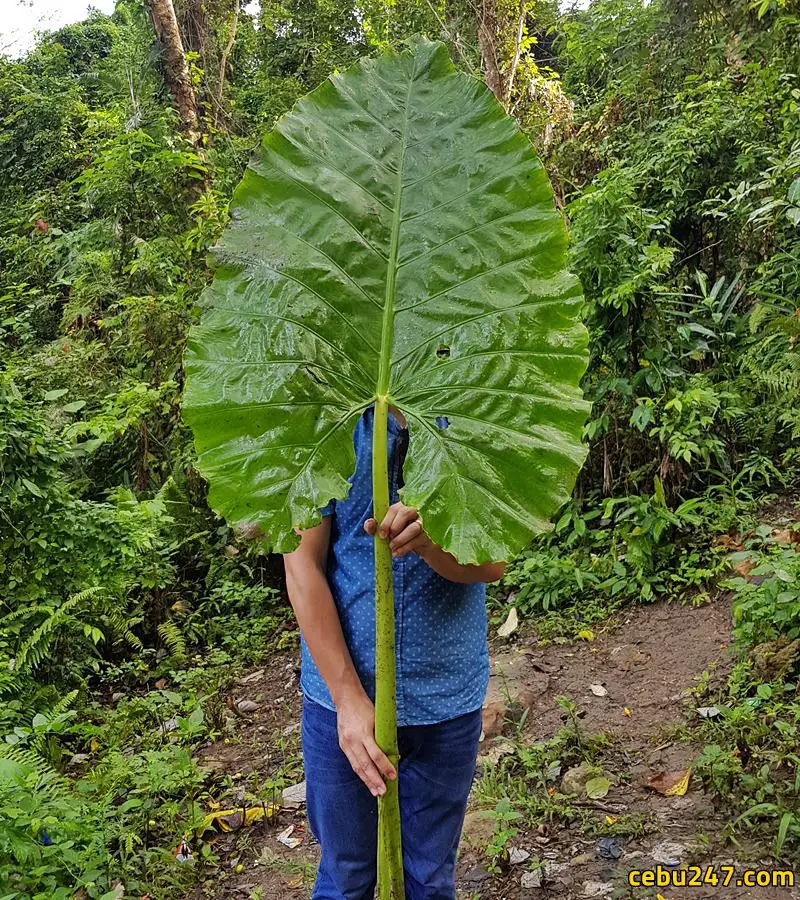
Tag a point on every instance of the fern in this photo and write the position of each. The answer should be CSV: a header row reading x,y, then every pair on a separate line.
x,y
14,616
172,636
40,741
772,361
783,376
22,762
119,626
35,649
10,684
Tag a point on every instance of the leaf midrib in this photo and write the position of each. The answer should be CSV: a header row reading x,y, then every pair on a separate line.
x,y
387,324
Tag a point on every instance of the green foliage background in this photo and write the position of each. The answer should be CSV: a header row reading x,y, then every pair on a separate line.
x,y
671,131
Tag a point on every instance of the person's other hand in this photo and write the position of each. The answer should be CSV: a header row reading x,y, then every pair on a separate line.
x,y
402,527
355,722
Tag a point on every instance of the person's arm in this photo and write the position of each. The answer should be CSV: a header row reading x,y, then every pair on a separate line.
x,y
318,618
402,527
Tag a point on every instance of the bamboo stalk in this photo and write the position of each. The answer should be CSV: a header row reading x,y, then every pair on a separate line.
x,y
390,856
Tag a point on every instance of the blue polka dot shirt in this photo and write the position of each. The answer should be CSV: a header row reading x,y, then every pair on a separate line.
x,y
440,626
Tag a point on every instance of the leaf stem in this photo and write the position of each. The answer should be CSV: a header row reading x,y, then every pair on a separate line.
x,y
390,854
390,857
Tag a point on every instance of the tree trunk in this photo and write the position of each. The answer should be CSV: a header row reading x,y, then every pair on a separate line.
x,y
176,71
223,64
487,37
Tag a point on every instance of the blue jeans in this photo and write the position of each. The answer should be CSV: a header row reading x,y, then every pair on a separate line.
x,y
437,764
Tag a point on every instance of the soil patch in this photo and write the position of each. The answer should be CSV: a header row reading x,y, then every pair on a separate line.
x,y
633,683
648,661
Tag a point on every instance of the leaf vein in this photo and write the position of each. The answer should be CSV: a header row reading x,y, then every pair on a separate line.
x,y
492,312
478,187
337,212
300,325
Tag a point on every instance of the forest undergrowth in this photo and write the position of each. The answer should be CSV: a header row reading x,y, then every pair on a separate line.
x,y
671,132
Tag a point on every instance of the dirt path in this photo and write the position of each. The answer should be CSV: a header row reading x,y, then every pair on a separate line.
x,y
632,685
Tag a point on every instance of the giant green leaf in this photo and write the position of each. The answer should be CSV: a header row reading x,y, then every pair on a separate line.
x,y
395,235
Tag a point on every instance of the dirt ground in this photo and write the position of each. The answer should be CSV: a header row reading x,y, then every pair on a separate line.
x,y
633,682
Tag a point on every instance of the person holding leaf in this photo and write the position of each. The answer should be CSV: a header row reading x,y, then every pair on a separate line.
x,y
393,243
442,675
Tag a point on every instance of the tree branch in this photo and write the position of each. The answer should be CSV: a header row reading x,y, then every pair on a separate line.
x,y
517,48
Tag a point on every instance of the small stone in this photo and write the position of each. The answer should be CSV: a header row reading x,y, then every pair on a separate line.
x,y
478,829
475,875
582,859
214,766
597,888
510,625
574,780
556,871
496,751
628,658
295,795
117,696
247,706
668,853
290,729
79,759
532,879
516,855
514,684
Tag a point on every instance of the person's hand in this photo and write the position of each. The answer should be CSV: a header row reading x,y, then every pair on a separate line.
x,y
355,720
402,527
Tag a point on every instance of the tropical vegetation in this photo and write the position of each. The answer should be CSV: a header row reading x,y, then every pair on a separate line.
x,y
671,134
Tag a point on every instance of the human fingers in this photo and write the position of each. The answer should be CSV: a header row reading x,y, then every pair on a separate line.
x,y
413,530
415,545
388,520
365,768
381,760
403,517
